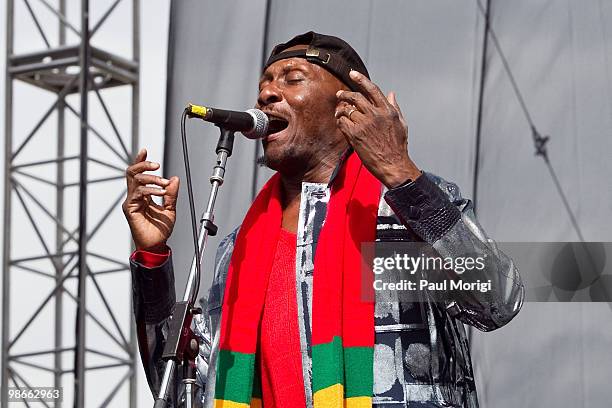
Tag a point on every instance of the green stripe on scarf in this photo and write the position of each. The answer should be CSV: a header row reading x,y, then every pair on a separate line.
x,y
239,368
325,370
357,365
358,371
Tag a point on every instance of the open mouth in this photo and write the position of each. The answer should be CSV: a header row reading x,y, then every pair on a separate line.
x,y
276,125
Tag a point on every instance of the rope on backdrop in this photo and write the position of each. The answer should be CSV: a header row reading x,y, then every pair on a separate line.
x,y
539,141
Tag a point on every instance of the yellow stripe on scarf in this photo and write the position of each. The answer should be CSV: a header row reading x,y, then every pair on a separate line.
x,y
231,404
358,402
255,403
331,396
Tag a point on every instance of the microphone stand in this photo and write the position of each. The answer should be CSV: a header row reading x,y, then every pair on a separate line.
x,y
182,345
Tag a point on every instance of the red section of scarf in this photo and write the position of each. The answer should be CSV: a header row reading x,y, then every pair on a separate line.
x,y
249,269
351,219
282,381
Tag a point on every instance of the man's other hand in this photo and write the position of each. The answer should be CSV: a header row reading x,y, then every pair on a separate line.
x,y
151,224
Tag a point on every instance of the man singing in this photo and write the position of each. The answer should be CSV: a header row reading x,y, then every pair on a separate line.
x,y
284,324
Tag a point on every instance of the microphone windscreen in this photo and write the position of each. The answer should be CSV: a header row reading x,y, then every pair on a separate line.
x,y
261,124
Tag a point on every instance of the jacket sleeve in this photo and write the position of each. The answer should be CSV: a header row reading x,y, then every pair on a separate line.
x,y
153,300
435,211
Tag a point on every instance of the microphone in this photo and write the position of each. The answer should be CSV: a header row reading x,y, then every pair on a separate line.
x,y
253,123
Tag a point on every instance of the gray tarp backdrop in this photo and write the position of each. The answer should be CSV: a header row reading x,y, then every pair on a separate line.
x,y
430,53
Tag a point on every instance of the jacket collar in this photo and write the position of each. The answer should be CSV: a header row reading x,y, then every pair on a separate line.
x,y
341,162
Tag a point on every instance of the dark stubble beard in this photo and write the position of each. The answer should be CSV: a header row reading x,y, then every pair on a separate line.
x,y
261,161
289,156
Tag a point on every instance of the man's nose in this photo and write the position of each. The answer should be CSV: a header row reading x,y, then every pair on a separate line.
x,y
269,94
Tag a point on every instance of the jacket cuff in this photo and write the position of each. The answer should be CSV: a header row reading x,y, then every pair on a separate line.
x,y
153,287
424,207
150,259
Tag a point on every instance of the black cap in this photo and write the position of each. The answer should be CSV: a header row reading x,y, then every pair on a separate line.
x,y
330,52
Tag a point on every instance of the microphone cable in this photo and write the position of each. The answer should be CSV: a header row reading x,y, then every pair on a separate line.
x,y
194,226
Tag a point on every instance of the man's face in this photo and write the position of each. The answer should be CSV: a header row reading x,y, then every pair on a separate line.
x,y
300,100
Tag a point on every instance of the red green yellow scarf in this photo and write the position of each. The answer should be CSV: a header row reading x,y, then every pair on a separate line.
x,y
343,325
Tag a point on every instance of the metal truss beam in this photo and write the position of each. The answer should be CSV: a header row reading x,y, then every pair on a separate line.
x,y
66,253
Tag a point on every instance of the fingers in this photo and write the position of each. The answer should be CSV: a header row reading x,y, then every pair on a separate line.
x,y
354,98
368,88
142,186
349,112
140,167
171,193
142,192
393,101
140,156
345,125
137,168
151,179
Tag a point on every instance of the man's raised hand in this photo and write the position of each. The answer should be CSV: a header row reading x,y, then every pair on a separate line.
x,y
375,127
151,224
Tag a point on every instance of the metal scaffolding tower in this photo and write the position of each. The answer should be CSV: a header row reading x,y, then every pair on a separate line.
x,y
62,185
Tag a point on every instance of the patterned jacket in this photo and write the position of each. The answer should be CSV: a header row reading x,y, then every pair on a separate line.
x,y
421,354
